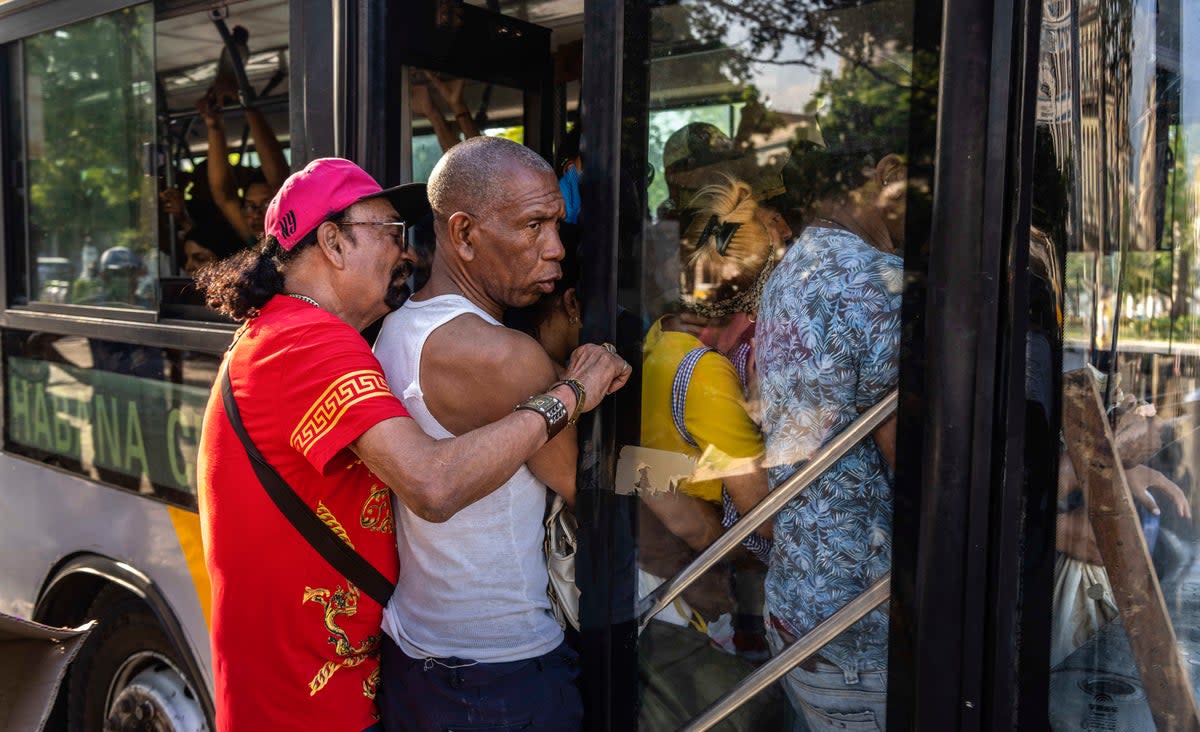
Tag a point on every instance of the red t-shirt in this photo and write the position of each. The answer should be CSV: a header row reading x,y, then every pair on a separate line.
x,y
295,646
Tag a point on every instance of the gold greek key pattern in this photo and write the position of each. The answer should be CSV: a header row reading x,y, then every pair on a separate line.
x,y
328,409
331,521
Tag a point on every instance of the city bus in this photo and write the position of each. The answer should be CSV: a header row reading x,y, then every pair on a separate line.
x,y
1051,215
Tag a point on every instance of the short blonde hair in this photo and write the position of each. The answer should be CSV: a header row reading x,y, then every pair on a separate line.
x,y
727,246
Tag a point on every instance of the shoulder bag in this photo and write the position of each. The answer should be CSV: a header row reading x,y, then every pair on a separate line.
x,y
559,546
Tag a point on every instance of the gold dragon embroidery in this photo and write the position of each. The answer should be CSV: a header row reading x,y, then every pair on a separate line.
x,y
371,684
342,602
377,510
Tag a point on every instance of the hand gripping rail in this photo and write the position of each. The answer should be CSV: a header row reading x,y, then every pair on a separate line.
x,y
665,594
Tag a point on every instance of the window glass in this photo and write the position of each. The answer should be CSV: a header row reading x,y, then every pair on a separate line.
x,y
223,143
447,109
148,156
126,414
1116,206
764,310
89,101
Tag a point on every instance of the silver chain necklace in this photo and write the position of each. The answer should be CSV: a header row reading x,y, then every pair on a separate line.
x,y
304,298
816,220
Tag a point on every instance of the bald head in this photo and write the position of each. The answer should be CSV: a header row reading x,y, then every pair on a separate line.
x,y
469,175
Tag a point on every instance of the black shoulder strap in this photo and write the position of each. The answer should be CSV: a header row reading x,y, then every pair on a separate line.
x,y
336,551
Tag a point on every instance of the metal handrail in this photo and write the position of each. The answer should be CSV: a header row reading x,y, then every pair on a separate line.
x,y
779,666
662,596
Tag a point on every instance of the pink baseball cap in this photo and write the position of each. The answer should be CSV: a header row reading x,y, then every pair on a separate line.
x,y
327,186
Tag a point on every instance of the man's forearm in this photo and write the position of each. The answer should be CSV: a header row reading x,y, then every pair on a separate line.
x,y
437,478
554,464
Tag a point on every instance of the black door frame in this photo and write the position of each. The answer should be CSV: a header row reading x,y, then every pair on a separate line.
x,y
969,628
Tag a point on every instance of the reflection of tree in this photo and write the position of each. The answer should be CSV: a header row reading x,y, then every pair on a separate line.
x,y
94,84
801,32
861,117
711,53
856,102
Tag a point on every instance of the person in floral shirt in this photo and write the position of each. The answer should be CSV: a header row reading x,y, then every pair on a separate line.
x,y
828,337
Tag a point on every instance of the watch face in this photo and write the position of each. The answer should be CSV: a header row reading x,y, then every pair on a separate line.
x,y
549,406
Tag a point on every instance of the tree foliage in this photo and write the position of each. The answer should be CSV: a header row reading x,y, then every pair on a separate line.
x,y
90,111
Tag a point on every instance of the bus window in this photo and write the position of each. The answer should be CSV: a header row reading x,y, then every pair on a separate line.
x,y
128,122
447,110
473,70
89,120
224,138
149,152
1115,206
126,414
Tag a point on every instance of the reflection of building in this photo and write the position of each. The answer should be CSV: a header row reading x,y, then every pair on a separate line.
x,y
1089,125
1110,103
1128,101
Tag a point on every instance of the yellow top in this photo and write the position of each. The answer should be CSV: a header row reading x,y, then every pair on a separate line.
x,y
714,413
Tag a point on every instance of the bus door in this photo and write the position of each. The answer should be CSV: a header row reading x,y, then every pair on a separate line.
x,y
739,139
466,70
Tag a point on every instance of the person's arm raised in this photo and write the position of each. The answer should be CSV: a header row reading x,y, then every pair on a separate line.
x,y
220,172
270,152
437,478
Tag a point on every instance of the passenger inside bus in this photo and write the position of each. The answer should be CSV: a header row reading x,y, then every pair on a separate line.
x,y
1083,595
209,239
828,337
245,212
682,671
702,356
429,92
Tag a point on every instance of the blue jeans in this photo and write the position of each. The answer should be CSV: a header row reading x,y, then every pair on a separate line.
x,y
823,699
456,695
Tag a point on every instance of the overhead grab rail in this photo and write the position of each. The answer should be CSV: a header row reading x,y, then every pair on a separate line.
x,y
793,655
245,90
662,596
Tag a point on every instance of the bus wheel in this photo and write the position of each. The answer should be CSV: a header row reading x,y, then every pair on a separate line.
x,y
127,677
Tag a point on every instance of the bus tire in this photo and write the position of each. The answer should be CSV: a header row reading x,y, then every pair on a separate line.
x,y
128,676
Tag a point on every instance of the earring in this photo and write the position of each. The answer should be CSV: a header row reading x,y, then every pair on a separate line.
x,y
574,320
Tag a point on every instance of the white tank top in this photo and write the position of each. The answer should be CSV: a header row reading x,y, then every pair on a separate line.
x,y
475,586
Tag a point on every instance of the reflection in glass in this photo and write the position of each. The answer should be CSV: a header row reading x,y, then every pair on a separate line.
x,y
89,91
122,413
774,133
1117,190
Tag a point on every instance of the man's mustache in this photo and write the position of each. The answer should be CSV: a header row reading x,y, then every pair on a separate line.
x,y
397,291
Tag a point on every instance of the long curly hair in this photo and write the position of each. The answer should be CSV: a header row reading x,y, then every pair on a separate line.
x,y
239,285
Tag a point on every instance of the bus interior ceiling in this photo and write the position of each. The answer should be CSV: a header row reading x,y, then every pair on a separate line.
x,y
189,47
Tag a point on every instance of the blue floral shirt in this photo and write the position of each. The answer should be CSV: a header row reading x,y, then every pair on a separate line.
x,y
827,341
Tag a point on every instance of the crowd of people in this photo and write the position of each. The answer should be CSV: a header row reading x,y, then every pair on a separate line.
x,y
777,325
770,301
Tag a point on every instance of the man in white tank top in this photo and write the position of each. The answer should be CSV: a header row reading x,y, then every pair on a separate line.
x,y
471,639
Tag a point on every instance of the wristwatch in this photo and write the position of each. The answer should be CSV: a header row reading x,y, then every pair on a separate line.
x,y
580,397
551,409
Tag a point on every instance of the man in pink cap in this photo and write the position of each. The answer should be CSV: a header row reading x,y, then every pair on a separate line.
x,y
295,643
